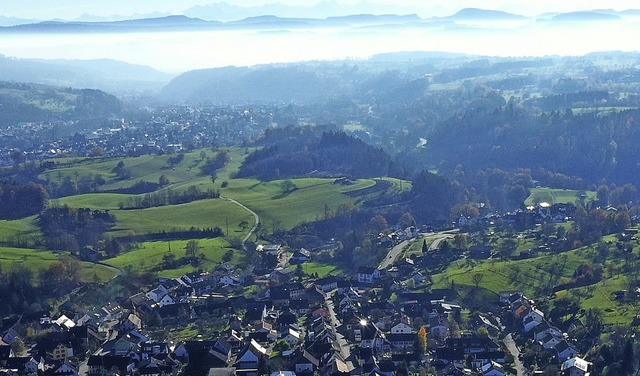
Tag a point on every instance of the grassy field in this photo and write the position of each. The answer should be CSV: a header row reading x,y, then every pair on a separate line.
x,y
102,201
149,256
322,270
275,208
199,214
38,260
13,228
306,203
146,167
311,200
555,196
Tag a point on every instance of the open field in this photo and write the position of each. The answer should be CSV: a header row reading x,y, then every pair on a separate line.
x,y
322,270
306,203
102,201
312,199
38,260
556,196
199,214
146,167
149,256
19,227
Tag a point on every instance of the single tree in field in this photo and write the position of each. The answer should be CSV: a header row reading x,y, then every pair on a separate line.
x,y
191,249
163,180
477,279
244,224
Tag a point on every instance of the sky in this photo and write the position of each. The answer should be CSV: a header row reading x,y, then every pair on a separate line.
x,y
73,9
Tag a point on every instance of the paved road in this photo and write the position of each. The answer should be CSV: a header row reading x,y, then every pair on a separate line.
x,y
515,352
435,244
393,254
397,250
257,219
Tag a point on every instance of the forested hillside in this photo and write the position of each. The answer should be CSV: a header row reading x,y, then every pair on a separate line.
x,y
327,153
22,102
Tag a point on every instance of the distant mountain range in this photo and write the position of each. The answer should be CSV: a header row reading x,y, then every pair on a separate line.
x,y
182,22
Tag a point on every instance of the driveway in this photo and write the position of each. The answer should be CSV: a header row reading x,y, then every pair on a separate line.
x,y
515,352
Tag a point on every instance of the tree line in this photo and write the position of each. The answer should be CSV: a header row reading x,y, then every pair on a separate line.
x,y
167,197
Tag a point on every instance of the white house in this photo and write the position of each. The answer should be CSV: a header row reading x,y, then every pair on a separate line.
x,y
368,275
291,336
157,293
166,300
575,367
401,328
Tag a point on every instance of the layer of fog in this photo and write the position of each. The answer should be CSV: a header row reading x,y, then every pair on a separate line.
x,y
177,52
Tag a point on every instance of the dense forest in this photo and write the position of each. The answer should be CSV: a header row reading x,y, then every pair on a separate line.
x,y
18,200
70,229
328,153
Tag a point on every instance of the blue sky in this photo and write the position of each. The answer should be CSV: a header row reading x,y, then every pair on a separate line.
x,y
72,9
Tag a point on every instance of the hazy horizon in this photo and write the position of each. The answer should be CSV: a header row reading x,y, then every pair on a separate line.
x,y
180,51
118,9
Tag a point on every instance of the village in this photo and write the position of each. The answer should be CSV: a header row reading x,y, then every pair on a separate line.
x,y
381,321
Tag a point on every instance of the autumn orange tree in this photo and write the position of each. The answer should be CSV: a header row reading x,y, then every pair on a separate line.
x,y
422,337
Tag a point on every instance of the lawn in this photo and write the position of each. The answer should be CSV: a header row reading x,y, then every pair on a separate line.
x,y
555,196
149,257
321,269
201,214
277,210
530,275
102,201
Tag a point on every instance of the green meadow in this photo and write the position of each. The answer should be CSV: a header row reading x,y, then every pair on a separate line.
x,y
312,198
38,260
149,257
19,227
201,214
557,196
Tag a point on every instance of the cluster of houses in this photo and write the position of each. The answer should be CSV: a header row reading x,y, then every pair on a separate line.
x,y
167,130
329,326
546,334
526,218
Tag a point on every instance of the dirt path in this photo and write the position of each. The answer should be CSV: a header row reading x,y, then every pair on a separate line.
x,y
255,216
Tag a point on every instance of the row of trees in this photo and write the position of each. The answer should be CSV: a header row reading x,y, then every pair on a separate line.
x,y
167,197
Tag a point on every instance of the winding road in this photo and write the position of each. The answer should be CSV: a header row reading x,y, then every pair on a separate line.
x,y
394,253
